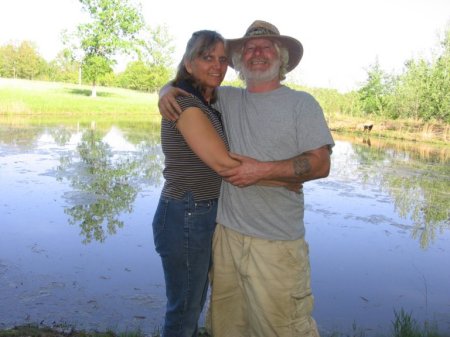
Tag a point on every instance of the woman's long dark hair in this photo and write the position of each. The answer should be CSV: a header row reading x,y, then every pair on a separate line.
x,y
200,43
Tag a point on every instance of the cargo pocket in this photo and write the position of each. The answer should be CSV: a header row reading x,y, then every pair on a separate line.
x,y
303,324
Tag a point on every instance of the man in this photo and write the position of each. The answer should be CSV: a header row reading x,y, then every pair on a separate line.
x,y
261,274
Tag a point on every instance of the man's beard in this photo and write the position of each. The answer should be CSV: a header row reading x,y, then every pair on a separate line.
x,y
259,76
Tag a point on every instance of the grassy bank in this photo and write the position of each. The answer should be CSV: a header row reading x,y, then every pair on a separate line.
x,y
36,98
66,331
403,325
22,100
410,130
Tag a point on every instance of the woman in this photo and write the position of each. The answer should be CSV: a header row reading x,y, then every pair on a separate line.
x,y
195,150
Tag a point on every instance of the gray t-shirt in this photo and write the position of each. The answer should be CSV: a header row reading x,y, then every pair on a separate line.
x,y
275,125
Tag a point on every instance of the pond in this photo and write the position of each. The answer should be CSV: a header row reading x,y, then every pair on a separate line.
x,y
76,247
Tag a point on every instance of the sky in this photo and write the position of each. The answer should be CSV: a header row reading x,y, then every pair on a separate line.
x,y
341,38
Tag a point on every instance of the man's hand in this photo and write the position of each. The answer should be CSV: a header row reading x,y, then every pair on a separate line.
x,y
249,172
167,104
253,172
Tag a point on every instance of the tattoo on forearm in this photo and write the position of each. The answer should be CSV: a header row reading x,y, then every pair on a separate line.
x,y
301,166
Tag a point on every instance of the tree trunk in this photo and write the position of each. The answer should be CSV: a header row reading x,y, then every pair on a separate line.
x,y
94,90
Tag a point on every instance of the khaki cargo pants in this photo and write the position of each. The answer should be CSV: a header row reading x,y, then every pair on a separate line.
x,y
260,288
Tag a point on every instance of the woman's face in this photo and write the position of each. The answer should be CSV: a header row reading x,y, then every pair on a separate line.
x,y
210,68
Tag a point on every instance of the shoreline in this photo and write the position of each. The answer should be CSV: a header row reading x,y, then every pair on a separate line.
x,y
24,101
400,130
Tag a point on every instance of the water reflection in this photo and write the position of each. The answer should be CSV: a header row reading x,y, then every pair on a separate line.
x,y
61,135
104,188
367,225
416,176
105,183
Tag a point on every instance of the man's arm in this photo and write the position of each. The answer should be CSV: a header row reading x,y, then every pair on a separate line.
x,y
314,164
167,103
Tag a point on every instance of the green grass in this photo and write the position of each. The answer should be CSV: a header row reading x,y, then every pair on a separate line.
x,y
403,325
31,330
31,98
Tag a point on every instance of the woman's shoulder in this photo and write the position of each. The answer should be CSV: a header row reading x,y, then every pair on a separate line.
x,y
189,102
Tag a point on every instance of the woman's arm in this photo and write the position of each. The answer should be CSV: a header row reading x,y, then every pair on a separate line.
x,y
204,140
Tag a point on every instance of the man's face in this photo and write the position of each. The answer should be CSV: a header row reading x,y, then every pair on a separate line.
x,y
260,60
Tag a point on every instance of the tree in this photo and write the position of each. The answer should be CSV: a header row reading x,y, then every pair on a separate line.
x,y
23,61
423,90
114,28
374,94
29,62
441,81
159,75
159,50
8,61
136,76
141,76
153,68
411,88
64,67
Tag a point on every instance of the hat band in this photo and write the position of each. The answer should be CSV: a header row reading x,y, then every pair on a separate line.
x,y
260,31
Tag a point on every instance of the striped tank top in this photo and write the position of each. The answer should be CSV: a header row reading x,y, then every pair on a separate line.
x,y
184,171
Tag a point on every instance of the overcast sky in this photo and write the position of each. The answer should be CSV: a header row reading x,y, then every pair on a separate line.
x,y
341,38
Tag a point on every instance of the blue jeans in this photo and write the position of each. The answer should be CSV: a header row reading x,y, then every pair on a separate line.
x,y
182,231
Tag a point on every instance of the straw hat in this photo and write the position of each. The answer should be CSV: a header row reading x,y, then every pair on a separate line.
x,y
265,30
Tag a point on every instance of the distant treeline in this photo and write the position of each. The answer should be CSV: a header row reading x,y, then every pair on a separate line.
x,y
24,61
421,91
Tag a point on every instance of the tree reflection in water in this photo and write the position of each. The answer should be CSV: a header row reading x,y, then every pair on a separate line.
x,y
423,196
417,177
105,183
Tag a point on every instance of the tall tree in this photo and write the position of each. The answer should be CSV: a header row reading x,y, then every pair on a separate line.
x,y
114,28
373,95
441,81
423,90
8,61
64,68
160,50
29,62
411,90
22,61
153,68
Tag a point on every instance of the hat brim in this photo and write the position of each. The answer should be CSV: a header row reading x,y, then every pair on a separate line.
x,y
294,47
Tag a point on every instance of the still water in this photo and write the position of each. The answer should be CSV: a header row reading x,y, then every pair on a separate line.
x,y
76,246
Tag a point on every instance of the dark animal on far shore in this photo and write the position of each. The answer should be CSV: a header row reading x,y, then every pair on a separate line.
x,y
367,127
